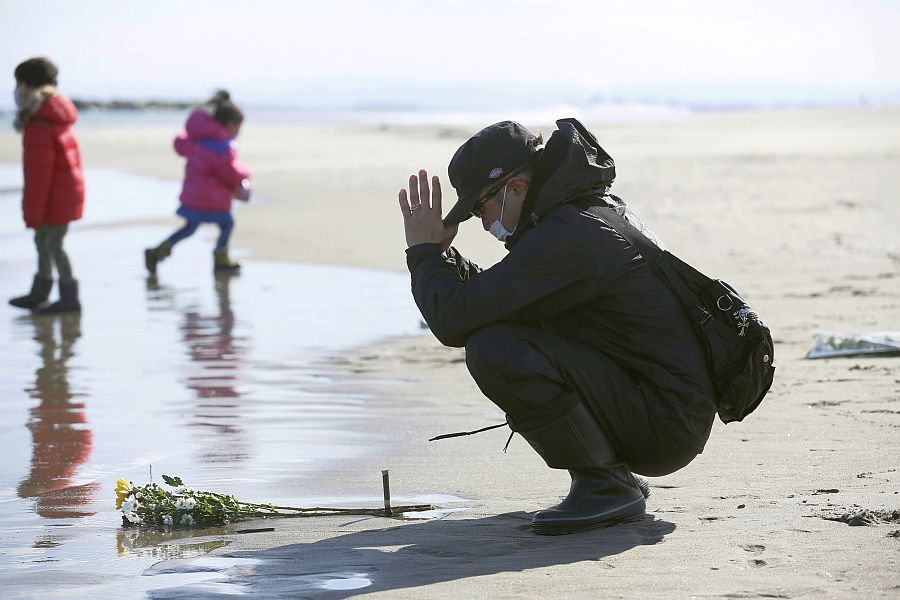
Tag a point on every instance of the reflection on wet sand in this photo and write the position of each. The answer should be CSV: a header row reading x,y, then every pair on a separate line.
x,y
169,544
61,439
216,356
220,382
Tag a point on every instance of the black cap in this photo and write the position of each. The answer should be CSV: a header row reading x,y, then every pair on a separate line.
x,y
488,156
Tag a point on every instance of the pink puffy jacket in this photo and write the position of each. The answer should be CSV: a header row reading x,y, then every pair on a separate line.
x,y
212,175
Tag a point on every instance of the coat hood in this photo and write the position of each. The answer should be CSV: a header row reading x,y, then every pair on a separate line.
x,y
58,110
571,165
201,126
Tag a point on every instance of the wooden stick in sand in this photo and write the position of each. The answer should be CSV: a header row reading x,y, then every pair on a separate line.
x,y
386,484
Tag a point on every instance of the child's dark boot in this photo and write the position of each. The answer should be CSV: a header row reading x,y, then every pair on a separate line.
x,y
222,263
154,256
40,291
68,299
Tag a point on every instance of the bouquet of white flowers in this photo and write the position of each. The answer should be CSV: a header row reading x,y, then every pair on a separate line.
x,y
151,505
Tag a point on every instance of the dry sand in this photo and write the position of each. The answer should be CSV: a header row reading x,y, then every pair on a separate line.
x,y
797,209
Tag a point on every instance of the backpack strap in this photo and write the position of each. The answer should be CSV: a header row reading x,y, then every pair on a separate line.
x,y
632,235
651,252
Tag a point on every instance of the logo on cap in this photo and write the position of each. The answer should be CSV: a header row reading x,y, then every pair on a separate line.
x,y
495,173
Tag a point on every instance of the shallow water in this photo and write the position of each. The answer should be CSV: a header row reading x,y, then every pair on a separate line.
x,y
216,379
112,197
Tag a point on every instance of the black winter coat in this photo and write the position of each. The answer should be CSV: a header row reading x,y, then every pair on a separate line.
x,y
571,274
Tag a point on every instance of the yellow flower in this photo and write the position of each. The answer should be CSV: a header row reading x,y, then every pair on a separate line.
x,y
123,490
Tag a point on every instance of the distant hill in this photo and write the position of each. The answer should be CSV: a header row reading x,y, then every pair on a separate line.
x,y
83,104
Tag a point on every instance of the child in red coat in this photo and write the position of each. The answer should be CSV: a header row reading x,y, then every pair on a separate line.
x,y
212,178
53,195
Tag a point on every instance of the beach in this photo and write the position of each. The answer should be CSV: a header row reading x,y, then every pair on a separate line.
x,y
797,209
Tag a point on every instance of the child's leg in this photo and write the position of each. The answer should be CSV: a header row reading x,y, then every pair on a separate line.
x,y
190,227
41,242
55,237
226,225
152,256
223,264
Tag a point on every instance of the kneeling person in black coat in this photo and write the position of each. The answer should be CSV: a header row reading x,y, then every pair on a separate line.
x,y
572,335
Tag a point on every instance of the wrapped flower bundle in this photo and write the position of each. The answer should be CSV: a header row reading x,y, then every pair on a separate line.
x,y
153,506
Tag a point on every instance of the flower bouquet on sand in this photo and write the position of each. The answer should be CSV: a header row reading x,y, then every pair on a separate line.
x,y
151,505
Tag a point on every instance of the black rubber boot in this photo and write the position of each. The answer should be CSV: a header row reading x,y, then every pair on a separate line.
x,y
153,256
40,291
604,492
643,483
68,300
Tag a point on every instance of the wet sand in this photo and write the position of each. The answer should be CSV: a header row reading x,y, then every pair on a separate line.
x,y
797,209
183,374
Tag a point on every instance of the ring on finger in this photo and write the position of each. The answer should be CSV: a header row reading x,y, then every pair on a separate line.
x,y
415,207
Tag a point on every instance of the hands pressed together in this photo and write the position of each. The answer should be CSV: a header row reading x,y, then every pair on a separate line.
x,y
421,210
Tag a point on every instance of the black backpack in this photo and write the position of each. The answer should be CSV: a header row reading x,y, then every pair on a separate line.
x,y
737,344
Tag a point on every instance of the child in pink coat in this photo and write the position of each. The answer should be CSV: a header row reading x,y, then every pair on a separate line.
x,y
212,178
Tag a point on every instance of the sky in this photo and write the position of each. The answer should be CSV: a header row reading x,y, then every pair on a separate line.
x,y
411,51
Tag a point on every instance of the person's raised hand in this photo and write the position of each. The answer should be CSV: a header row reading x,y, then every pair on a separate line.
x,y
421,210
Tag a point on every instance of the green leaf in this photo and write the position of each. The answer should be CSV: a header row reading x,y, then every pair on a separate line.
x,y
173,481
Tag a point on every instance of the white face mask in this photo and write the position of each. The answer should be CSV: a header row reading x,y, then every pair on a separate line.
x,y
498,229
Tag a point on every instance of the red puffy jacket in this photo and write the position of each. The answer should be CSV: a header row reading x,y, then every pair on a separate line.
x,y
54,181
212,173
